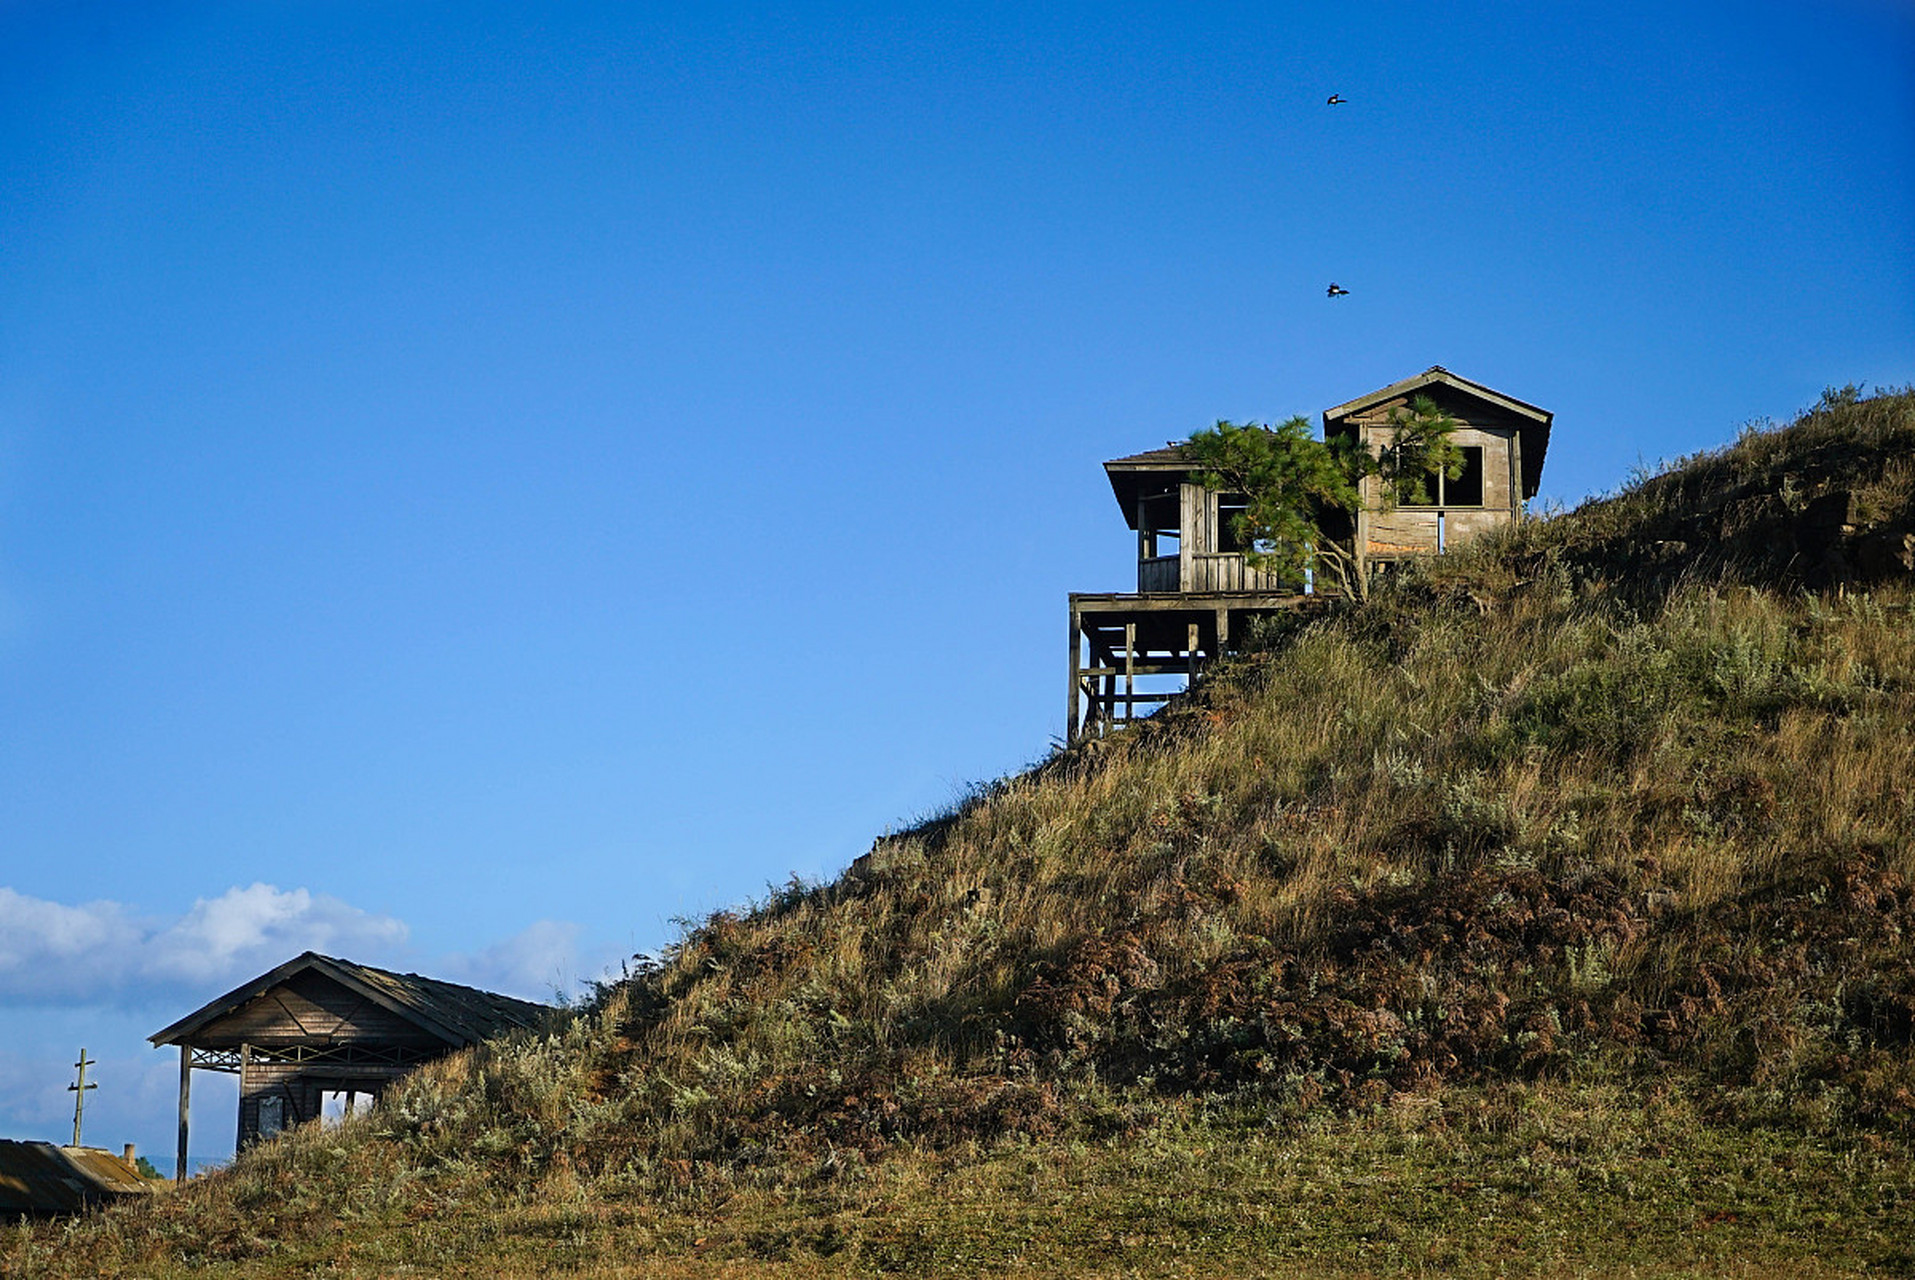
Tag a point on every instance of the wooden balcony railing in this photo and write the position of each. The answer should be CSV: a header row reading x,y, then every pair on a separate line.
x,y
1157,574
1209,572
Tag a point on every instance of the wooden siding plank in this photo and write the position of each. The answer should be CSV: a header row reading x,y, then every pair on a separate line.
x,y
282,1016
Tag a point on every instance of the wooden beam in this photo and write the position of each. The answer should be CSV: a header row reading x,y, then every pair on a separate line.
x,y
1131,698
1094,605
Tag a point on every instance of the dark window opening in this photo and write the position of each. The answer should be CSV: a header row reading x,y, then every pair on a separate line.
x,y
1418,491
1158,525
1467,489
1231,511
1434,489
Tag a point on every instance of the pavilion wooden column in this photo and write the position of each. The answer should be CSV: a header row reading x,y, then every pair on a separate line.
x,y
248,1128
186,1094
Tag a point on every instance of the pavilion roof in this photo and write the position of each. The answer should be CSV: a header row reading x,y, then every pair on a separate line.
x,y
456,1014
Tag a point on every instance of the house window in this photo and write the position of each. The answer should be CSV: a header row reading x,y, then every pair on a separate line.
x,y
1434,489
1157,523
1467,489
1231,508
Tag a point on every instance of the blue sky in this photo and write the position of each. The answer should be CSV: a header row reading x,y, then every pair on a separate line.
x,y
479,481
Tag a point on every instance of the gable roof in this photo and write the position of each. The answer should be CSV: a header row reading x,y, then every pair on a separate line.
x,y
1436,375
1133,476
455,1014
1532,423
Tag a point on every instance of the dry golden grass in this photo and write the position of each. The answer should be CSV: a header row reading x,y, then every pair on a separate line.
x,y
1588,894
1549,1182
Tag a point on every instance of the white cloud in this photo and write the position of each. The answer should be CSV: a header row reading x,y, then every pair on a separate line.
x,y
56,955
38,938
97,952
251,929
103,975
33,1096
533,964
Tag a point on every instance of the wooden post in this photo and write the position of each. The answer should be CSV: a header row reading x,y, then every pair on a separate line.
x,y
1130,671
1515,455
78,1090
1188,496
1146,541
1223,630
245,1070
186,1091
1070,718
1190,650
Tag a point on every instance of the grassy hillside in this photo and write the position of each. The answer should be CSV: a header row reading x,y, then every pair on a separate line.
x,y
1549,914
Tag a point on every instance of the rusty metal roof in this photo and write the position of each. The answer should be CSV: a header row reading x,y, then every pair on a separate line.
x,y
456,1014
41,1178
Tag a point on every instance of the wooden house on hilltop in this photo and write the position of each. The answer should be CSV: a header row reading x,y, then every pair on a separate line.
x,y
1196,589
317,1025
1503,441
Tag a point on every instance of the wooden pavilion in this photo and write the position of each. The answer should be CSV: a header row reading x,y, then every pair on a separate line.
x,y
1196,591
319,1025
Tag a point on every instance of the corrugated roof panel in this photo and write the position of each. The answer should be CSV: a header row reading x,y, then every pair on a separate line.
x,y
41,1178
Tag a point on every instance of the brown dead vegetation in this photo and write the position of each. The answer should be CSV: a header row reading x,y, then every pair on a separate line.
x,y
1575,811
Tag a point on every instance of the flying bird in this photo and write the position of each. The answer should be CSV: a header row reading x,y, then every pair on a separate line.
x,y
1337,290
1337,99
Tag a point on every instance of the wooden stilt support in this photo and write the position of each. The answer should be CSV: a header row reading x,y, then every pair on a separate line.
x,y
1116,640
1071,727
1130,671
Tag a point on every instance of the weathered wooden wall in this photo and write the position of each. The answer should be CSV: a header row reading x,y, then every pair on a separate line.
x,y
312,1014
1199,566
307,1007
1425,530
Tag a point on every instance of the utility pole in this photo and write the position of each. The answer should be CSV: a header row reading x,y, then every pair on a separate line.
x,y
78,1090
